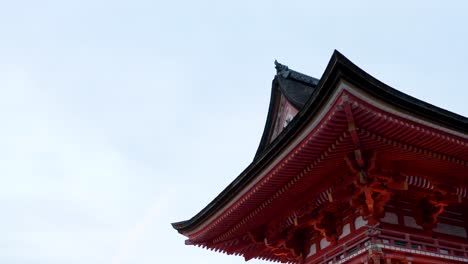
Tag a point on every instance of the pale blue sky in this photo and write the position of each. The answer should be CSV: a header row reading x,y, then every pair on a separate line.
x,y
120,117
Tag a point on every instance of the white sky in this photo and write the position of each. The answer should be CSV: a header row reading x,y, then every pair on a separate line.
x,y
120,117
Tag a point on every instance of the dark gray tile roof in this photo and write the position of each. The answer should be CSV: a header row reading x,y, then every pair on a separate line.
x,y
297,87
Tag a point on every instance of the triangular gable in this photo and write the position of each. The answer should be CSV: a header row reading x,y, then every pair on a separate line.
x,y
290,92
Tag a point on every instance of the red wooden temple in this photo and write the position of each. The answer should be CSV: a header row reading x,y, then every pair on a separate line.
x,y
349,170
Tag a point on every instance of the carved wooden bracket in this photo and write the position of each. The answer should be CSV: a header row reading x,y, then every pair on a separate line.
x,y
290,238
361,163
429,208
370,191
427,212
330,225
370,203
287,242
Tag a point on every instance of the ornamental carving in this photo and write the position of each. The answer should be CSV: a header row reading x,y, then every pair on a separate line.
x,y
429,208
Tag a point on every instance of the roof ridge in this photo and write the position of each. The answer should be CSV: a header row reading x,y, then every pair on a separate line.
x,y
286,72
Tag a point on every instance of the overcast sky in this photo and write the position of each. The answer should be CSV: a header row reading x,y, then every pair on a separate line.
x,y
120,117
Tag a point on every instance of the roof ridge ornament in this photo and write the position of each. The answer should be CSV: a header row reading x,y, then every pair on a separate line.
x,y
280,67
285,72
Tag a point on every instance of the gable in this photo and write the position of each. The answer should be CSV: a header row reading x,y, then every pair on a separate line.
x,y
284,115
290,92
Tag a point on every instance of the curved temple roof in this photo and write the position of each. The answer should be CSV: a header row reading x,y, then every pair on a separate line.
x,y
309,95
295,87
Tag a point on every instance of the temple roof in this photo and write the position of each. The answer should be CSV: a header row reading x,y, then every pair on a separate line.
x,y
296,87
310,95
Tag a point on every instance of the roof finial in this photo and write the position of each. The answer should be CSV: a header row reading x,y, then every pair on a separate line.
x,y
280,67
